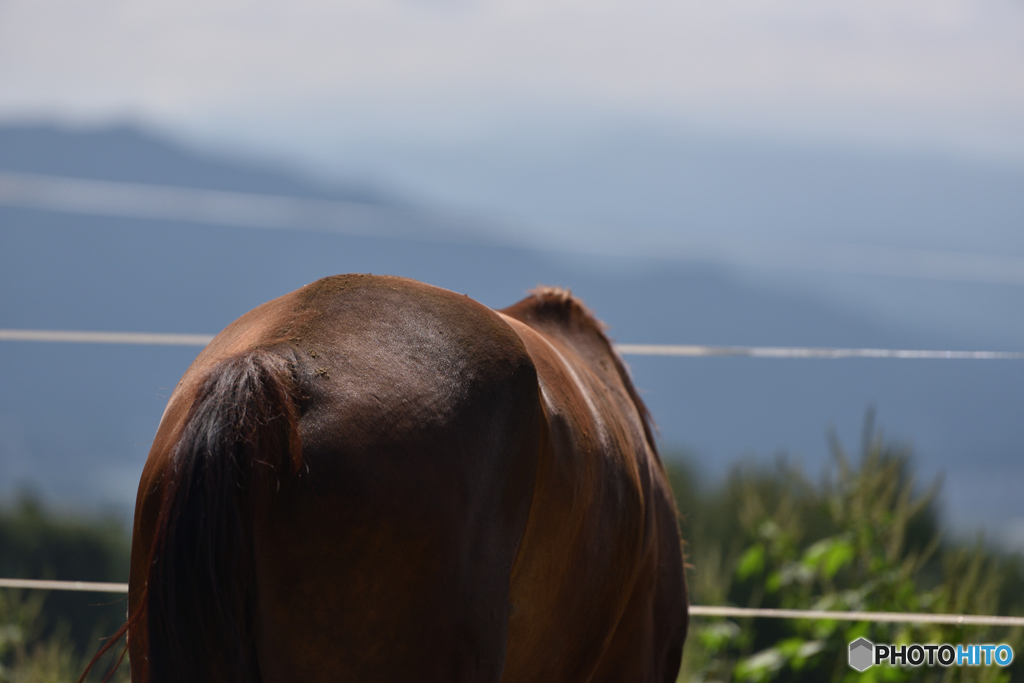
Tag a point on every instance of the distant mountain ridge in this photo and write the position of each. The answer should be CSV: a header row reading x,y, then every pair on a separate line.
x,y
76,420
128,153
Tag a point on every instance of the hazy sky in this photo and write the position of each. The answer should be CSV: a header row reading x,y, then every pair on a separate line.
x,y
942,74
573,120
576,120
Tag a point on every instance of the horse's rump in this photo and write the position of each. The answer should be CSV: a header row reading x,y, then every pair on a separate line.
x,y
371,478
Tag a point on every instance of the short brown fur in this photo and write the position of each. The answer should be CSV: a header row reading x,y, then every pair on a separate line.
x,y
386,481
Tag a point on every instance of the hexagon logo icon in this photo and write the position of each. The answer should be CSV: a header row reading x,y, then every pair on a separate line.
x,y
862,654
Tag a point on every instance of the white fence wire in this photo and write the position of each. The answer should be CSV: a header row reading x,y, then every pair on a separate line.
x,y
150,338
695,610
83,337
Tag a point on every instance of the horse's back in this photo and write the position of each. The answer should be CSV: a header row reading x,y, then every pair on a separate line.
x,y
475,498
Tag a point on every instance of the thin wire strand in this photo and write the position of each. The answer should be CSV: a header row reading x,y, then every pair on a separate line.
x,y
83,586
695,610
83,337
893,617
87,337
810,352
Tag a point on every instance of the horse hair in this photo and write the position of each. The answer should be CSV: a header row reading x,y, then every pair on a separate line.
x,y
240,437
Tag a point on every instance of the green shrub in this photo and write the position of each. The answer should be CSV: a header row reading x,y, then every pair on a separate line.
x,y
866,538
49,636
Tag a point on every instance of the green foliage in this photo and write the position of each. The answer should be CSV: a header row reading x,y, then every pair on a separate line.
x,y
865,539
50,636
27,656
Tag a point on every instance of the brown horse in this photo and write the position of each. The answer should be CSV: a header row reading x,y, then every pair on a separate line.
x,y
372,479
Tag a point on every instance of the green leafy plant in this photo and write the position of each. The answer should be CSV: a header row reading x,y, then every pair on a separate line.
x,y
865,539
49,636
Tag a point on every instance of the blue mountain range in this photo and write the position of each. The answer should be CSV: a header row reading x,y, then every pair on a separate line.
x,y
76,420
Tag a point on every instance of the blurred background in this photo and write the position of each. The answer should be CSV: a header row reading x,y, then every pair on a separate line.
x,y
846,174
795,173
731,173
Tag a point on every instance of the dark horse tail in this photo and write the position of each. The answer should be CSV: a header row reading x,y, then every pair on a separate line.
x,y
240,438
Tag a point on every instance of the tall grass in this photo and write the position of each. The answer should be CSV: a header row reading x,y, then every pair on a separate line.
x,y
865,537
